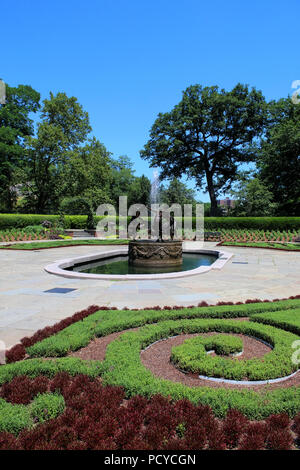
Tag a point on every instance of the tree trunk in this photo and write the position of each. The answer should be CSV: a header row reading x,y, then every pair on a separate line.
x,y
211,190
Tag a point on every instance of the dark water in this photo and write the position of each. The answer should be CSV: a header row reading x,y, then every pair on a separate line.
x,y
119,265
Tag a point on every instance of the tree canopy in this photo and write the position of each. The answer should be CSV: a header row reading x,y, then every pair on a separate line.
x,y
177,192
210,136
63,126
88,173
15,125
279,156
206,135
252,198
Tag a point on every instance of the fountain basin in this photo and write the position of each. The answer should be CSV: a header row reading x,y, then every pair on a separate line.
x,y
155,253
62,267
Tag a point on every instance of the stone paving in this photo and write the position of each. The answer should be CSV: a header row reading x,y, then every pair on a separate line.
x,y
25,306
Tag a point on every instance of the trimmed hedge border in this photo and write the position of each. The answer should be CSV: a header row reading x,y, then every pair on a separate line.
x,y
44,407
258,245
122,365
280,320
211,223
191,355
103,323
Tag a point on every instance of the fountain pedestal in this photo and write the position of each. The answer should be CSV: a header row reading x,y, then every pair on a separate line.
x,y
155,253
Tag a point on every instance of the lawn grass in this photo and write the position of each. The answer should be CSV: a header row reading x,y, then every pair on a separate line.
x,y
61,243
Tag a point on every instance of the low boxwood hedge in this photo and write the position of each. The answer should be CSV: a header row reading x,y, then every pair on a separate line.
x,y
123,367
14,418
8,221
187,354
287,320
103,323
34,367
191,355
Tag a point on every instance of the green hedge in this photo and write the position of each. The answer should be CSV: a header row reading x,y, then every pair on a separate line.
x,y
287,320
35,367
103,323
211,223
8,221
123,367
258,223
192,356
14,417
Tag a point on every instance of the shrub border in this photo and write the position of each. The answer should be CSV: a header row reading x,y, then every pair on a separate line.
x,y
123,367
253,246
255,405
18,351
16,417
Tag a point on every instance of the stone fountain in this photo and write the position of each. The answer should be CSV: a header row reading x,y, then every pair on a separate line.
x,y
155,253
159,252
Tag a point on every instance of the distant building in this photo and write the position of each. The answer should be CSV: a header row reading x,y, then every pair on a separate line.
x,y
226,204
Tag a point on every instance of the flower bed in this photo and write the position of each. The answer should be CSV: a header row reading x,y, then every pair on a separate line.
x,y
17,412
265,245
105,416
21,235
263,237
97,417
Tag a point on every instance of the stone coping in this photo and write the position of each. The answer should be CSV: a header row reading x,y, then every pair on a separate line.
x,y
248,382
59,267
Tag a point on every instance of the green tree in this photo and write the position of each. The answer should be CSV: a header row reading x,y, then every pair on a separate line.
x,y
139,191
125,183
88,173
253,199
207,135
15,125
64,126
177,192
279,161
122,177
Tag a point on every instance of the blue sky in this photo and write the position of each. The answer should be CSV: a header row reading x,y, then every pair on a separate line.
x,y
126,61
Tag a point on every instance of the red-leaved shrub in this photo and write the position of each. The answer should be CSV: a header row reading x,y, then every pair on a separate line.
x,y
99,417
233,427
297,425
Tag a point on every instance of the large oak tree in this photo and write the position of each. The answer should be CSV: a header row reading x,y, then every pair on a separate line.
x,y
207,135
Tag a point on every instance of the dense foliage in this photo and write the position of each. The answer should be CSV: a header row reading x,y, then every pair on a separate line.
x,y
279,162
99,418
8,221
206,135
192,354
15,126
122,364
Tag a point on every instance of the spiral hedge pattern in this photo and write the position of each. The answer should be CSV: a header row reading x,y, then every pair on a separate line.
x,y
276,323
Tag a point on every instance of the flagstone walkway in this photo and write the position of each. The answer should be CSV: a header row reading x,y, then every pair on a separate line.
x,y
26,306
